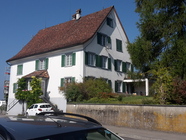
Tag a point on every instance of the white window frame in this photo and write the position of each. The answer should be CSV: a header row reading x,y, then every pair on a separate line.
x,y
104,62
91,59
119,65
68,60
119,86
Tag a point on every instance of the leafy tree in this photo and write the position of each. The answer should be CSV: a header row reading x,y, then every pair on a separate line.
x,y
163,84
36,91
31,96
163,31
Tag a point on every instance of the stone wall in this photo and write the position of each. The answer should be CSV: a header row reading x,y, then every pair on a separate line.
x,y
161,118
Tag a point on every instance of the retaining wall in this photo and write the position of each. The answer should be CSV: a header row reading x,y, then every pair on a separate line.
x,y
161,118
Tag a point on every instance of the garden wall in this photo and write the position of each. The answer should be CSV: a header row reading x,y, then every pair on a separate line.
x,y
161,118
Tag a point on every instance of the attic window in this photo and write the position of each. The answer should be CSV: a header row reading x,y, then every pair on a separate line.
x,y
103,40
109,22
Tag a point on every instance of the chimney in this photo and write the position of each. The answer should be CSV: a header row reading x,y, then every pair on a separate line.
x,y
77,15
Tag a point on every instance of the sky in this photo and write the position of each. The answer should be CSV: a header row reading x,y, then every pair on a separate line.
x,y
20,20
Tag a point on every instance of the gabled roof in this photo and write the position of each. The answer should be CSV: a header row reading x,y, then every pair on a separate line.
x,y
64,35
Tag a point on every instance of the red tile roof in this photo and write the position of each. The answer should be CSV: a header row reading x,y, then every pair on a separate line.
x,y
38,74
64,35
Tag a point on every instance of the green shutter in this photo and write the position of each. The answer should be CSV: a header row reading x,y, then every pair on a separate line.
x,y
123,87
62,82
73,79
86,58
98,61
37,65
132,68
115,65
19,69
62,60
110,83
109,39
73,59
98,38
46,63
14,87
109,63
124,67
116,86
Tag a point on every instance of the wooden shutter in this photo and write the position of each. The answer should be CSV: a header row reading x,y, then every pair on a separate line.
x,y
109,63
116,86
98,61
110,83
63,60
86,58
123,87
124,67
73,79
46,63
132,68
73,59
37,65
109,39
115,65
14,87
62,82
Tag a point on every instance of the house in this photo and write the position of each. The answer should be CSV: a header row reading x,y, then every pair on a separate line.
x,y
90,46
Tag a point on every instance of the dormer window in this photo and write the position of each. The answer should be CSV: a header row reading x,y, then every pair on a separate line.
x,y
103,40
109,22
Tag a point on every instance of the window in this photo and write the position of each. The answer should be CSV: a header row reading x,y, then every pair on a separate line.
x,y
67,80
19,69
103,40
68,59
119,86
90,59
109,22
104,62
42,64
119,45
120,66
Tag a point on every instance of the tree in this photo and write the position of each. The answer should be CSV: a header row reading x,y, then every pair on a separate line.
x,y
31,96
163,36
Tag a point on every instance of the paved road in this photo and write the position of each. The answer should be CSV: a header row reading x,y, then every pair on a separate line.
x,y
139,134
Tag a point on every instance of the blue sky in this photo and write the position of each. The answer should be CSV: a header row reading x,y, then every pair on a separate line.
x,y
20,20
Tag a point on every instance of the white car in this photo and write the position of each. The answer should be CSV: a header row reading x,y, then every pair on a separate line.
x,y
38,108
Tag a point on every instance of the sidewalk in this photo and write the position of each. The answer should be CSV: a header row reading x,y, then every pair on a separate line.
x,y
140,134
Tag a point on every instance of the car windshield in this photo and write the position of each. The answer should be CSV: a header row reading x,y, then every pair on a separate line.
x,y
95,134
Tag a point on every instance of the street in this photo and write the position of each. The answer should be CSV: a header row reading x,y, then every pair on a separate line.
x,y
140,134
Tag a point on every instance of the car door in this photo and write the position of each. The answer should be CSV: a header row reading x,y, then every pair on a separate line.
x,y
30,110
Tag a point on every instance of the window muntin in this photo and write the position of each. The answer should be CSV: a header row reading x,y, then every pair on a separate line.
x,y
68,61
42,64
104,62
67,80
103,39
19,69
91,59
